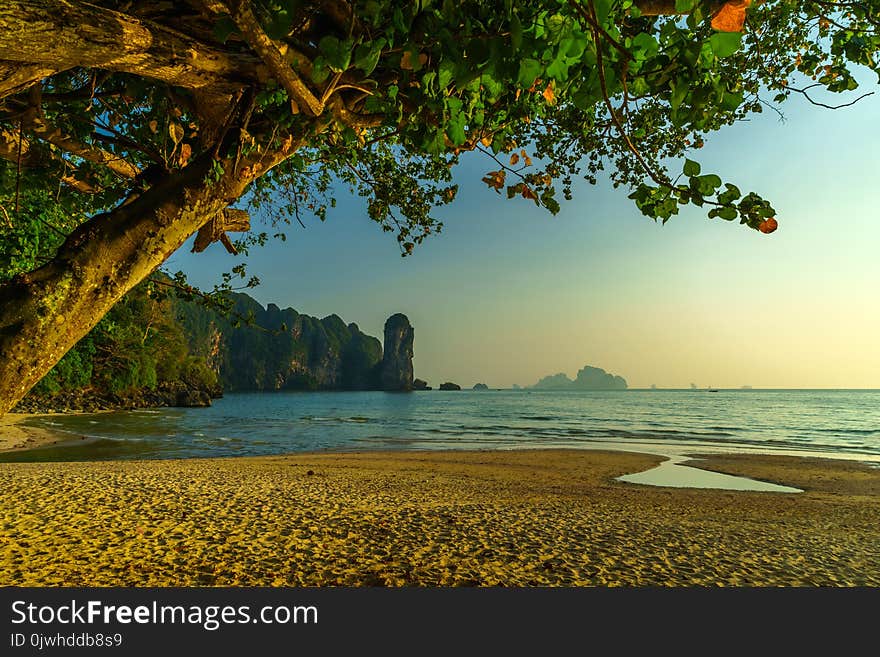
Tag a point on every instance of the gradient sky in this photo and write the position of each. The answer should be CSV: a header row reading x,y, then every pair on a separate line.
x,y
507,293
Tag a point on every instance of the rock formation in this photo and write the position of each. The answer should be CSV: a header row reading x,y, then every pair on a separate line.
x,y
397,367
480,386
281,349
449,386
588,378
419,384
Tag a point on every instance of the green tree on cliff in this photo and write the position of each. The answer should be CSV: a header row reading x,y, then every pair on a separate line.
x,y
128,126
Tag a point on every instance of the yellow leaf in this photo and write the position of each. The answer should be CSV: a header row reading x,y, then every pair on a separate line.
x,y
514,159
154,126
185,154
731,16
549,94
176,132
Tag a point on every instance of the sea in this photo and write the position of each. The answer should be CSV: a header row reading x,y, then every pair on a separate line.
x,y
830,423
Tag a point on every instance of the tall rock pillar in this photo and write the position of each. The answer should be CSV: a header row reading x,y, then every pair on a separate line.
x,y
397,367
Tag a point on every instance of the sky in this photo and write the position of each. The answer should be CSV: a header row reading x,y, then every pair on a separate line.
x,y
508,293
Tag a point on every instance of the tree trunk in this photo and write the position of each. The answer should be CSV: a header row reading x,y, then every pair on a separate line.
x,y
45,312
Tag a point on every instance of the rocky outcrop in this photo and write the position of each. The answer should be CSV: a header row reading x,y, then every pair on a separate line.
x,y
480,386
588,378
449,386
176,393
397,367
419,384
281,349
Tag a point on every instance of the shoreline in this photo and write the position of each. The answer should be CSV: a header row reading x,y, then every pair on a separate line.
x,y
705,459
16,437
488,518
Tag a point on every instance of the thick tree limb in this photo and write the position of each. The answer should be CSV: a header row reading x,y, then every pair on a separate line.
x,y
58,34
16,77
667,7
270,54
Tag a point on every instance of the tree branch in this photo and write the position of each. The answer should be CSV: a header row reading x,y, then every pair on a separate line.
x,y
54,135
46,36
16,77
260,42
804,93
667,7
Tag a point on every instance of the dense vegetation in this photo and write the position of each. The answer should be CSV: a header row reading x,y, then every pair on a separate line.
x,y
139,346
154,340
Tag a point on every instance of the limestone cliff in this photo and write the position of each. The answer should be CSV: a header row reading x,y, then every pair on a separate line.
x,y
281,349
397,367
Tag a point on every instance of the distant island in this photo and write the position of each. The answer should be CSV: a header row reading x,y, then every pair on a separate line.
x,y
588,378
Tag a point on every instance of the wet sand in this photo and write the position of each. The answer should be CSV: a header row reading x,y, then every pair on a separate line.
x,y
500,518
15,435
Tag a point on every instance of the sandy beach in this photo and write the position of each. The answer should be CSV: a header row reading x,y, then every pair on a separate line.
x,y
14,434
497,518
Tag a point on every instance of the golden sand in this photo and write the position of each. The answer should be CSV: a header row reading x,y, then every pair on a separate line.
x,y
511,518
16,435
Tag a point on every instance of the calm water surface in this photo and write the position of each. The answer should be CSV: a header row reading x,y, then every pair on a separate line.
x,y
836,422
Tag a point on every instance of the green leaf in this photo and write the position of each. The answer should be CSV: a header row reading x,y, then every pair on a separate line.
x,y
456,121
279,25
684,6
558,69
516,32
644,45
732,100
366,57
455,129
529,70
336,53
445,74
573,46
707,184
223,29
399,22
603,8
724,44
494,88
691,168
728,214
